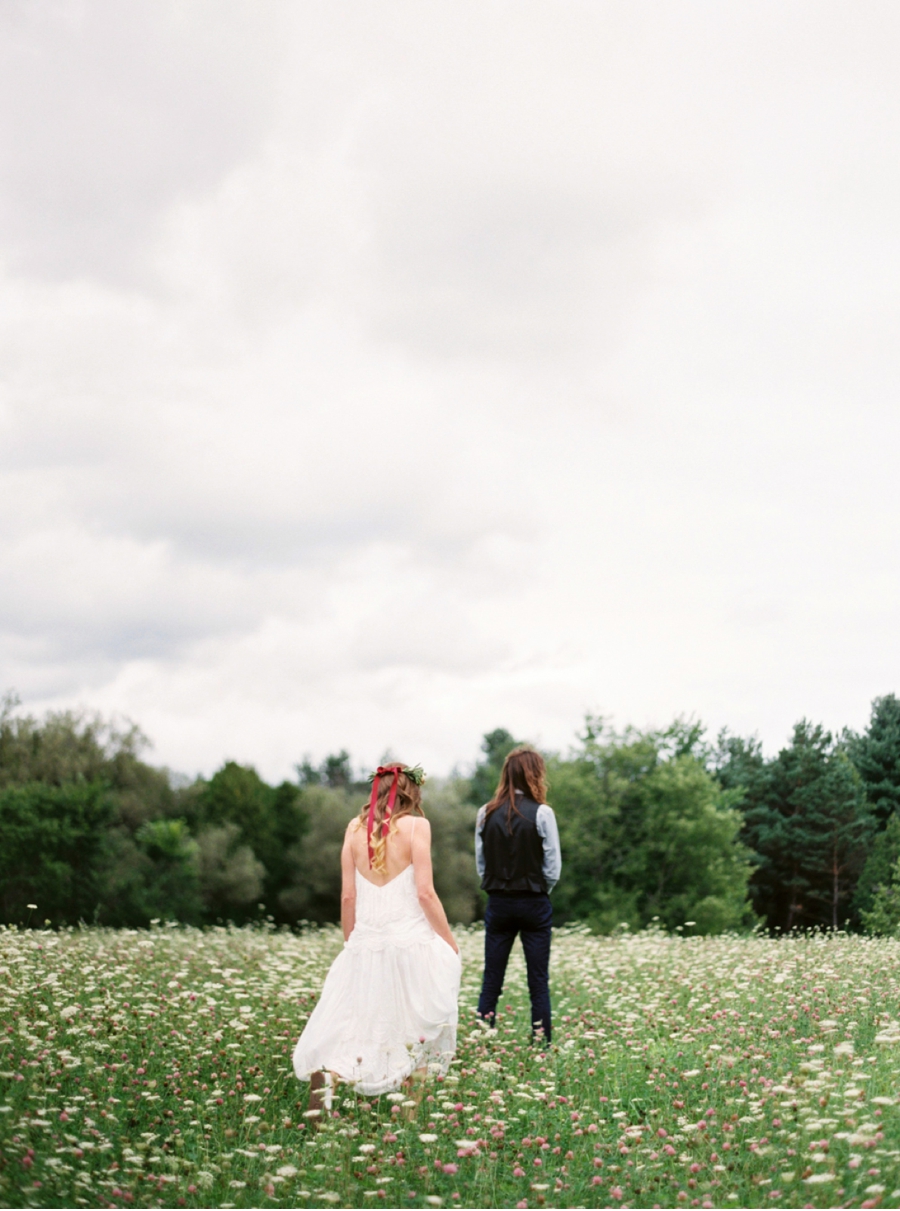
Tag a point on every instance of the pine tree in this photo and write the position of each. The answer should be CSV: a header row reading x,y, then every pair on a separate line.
x,y
807,819
876,754
845,823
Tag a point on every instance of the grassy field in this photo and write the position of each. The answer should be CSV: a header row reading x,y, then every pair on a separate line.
x,y
153,1069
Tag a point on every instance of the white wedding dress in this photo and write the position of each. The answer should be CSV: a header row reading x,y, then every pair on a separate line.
x,y
389,1002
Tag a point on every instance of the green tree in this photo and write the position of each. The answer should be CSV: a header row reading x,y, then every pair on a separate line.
x,y
69,749
808,823
153,874
78,746
846,826
236,794
173,886
312,890
647,834
876,754
53,841
230,875
882,916
589,798
689,868
884,854
262,825
288,825
496,745
335,771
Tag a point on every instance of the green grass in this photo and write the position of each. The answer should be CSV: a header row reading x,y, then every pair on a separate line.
x,y
147,1069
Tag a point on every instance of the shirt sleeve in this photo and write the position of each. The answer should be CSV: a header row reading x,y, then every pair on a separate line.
x,y
479,847
545,821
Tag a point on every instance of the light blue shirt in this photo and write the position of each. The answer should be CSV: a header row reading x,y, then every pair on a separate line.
x,y
545,822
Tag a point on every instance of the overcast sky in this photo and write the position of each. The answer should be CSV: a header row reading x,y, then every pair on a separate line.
x,y
375,375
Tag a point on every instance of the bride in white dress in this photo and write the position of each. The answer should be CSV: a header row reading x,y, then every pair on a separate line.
x,y
388,1008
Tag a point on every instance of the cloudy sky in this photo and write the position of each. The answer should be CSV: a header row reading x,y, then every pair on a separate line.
x,y
378,375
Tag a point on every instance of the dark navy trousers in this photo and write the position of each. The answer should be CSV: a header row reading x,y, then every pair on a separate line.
x,y
531,916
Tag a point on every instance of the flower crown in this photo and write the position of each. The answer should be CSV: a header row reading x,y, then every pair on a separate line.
x,y
415,773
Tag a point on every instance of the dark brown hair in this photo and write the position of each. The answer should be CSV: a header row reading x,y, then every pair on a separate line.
x,y
407,803
523,770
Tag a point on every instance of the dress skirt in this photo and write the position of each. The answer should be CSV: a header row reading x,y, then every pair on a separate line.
x,y
389,1002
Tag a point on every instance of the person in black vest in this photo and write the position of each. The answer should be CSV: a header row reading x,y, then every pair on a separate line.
x,y
518,858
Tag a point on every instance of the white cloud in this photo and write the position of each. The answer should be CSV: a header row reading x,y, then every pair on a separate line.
x,y
113,112
378,376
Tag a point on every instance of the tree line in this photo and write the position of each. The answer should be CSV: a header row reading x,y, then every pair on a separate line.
x,y
658,827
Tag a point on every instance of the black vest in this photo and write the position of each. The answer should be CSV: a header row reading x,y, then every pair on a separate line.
x,y
513,851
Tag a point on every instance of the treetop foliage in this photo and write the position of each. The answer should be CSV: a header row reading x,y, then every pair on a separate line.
x,y
658,827
874,754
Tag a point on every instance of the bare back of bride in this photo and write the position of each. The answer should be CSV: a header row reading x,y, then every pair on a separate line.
x,y
388,1008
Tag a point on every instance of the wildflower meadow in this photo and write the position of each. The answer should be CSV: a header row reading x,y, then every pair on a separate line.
x,y
152,1068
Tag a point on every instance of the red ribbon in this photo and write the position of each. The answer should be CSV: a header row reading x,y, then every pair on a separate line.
x,y
396,770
